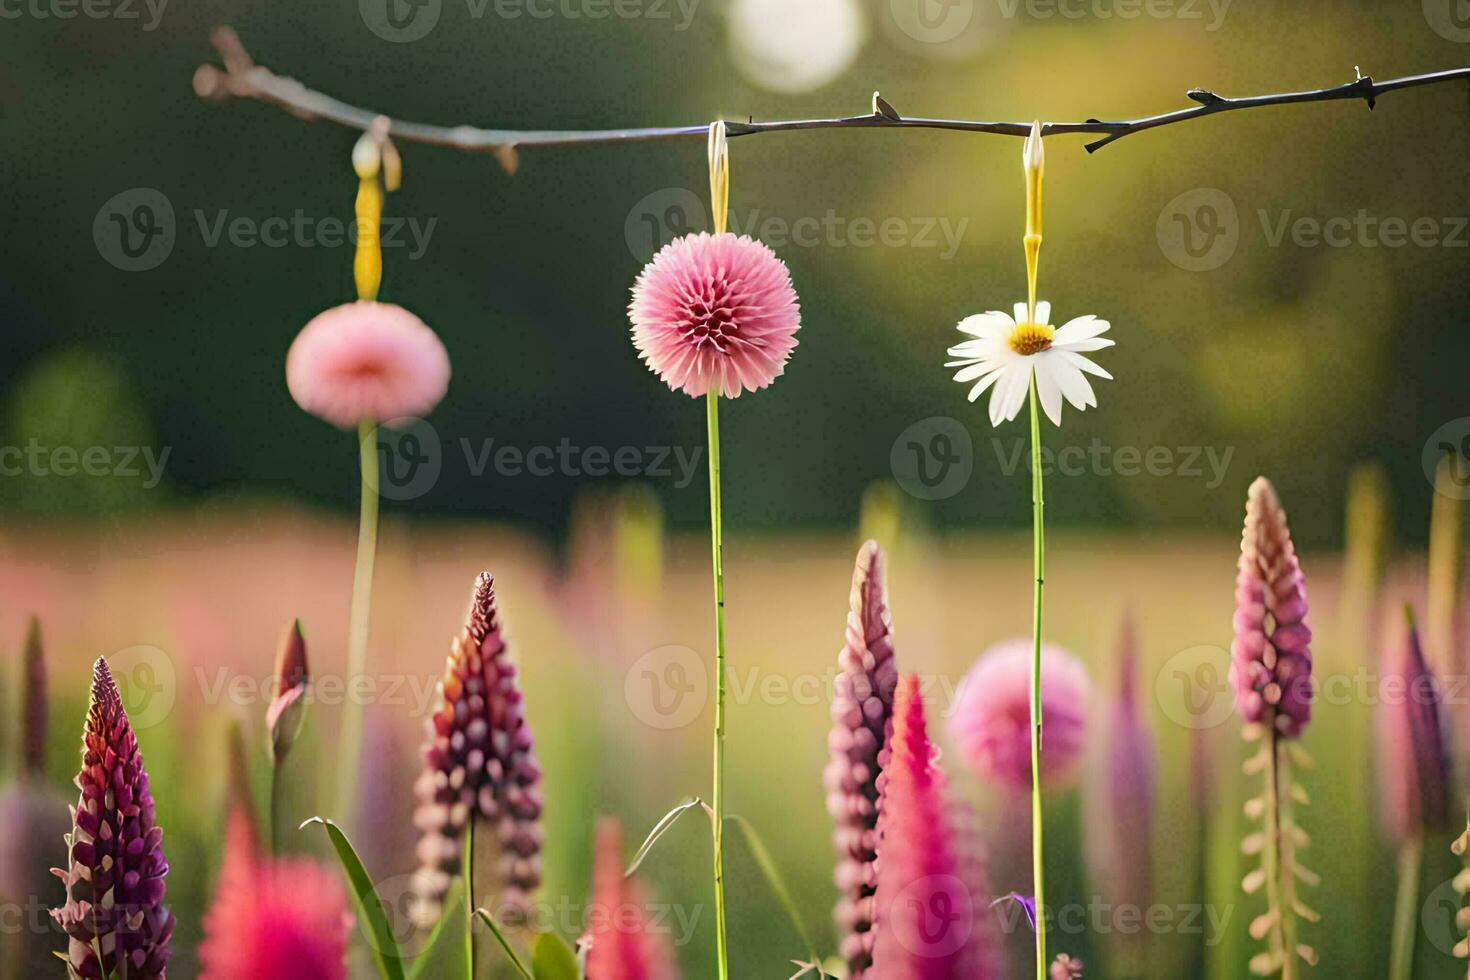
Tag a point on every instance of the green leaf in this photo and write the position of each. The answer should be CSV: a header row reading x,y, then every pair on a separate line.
x,y
443,953
659,829
510,953
553,959
778,886
365,899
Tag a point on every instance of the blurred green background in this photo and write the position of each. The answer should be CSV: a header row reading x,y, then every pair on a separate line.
x,y
1258,349
1302,360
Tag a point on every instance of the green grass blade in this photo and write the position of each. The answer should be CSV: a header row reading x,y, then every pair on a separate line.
x,y
369,907
659,829
778,885
443,953
510,953
553,959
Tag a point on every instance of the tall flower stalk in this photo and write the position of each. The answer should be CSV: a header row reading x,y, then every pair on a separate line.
x,y
1026,359
358,366
480,771
862,714
1271,673
716,315
114,912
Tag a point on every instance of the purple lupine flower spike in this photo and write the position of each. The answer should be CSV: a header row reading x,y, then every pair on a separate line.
x,y
1414,769
114,909
862,711
1121,841
1270,659
479,763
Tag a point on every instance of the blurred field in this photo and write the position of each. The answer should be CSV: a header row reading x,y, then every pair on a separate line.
x,y
182,605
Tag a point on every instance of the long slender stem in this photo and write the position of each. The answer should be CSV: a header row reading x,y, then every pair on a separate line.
x,y
469,894
1276,867
717,545
362,599
1401,961
1038,506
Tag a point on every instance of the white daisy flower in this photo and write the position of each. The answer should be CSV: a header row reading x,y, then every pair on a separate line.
x,y
1006,351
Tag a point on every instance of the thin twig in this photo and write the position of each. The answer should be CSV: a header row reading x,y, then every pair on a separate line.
x,y
242,78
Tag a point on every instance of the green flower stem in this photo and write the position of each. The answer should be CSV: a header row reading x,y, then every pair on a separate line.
x,y
716,535
1401,961
362,598
1038,507
273,816
469,895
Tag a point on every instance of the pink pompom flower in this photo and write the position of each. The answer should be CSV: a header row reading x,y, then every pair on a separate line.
x,y
273,918
992,717
715,313
367,362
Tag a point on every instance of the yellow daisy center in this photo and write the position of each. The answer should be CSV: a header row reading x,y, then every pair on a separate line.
x,y
1031,338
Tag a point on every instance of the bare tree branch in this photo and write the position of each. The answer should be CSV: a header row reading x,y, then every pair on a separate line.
x,y
241,77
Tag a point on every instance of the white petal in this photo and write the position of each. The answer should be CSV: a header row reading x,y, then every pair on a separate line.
x,y
986,382
992,324
1081,328
1073,384
978,348
1010,392
1083,346
1077,360
973,371
1049,390
1022,313
1043,311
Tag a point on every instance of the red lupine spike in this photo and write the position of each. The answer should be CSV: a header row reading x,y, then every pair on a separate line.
x,y
862,710
930,924
479,762
114,880
621,943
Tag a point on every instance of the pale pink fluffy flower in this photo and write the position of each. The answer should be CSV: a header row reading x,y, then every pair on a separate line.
x,y
992,717
715,312
367,361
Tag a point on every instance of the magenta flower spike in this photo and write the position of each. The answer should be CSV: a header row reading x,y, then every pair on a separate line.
x,y
930,924
1270,659
114,911
1271,672
1414,770
620,940
862,710
273,919
479,765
